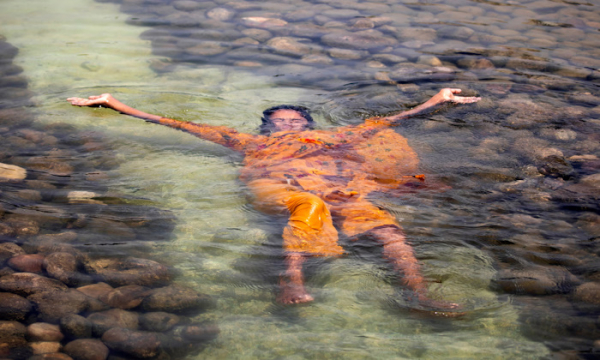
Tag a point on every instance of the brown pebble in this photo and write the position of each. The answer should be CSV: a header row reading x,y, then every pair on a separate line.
x,y
13,307
176,299
55,304
158,321
102,321
76,326
51,356
26,284
44,332
44,347
140,344
31,263
126,297
86,349
8,250
97,290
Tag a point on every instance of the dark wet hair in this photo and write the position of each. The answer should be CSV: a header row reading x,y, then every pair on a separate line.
x,y
267,126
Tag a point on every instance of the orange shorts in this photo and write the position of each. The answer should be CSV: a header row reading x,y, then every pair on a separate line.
x,y
310,227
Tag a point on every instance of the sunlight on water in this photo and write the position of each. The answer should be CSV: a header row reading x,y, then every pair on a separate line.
x,y
80,48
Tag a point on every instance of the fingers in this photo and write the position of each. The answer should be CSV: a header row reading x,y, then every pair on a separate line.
x,y
465,99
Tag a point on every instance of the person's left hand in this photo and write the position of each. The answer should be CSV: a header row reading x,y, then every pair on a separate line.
x,y
449,95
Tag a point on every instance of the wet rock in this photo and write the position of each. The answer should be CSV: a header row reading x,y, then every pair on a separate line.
x,y
51,356
25,284
139,344
114,318
592,181
455,32
413,33
131,271
429,60
31,263
362,24
389,59
187,5
258,34
87,349
341,13
29,195
309,30
50,165
538,281
12,173
263,22
8,250
158,321
556,166
76,326
475,63
188,337
317,59
299,15
63,266
220,14
97,290
44,347
347,54
587,296
53,305
207,48
126,297
290,46
362,40
22,226
44,332
176,299
13,307
12,334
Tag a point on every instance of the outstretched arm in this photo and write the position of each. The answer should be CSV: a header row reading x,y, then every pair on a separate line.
x,y
109,101
445,95
218,134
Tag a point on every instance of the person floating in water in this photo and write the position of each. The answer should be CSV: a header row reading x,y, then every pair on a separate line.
x,y
320,178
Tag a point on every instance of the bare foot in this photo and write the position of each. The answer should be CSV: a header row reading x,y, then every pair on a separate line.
x,y
292,294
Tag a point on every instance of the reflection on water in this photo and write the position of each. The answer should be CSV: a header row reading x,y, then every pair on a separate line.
x,y
514,238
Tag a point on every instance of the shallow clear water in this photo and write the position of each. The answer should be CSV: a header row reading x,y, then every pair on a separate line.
x,y
505,222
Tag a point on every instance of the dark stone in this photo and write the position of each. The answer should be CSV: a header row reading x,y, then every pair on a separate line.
x,y
8,250
114,318
126,297
556,166
51,356
177,299
182,339
13,307
44,332
140,344
12,335
158,321
31,263
63,266
537,281
97,290
86,349
131,271
76,326
53,305
22,226
25,284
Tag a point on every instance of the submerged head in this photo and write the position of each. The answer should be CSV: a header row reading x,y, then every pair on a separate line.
x,y
286,118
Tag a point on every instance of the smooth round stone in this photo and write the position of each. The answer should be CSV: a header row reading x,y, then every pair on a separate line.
x,y
588,293
299,15
26,284
8,250
176,299
12,334
13,307
31,263
139,344
76,326
341,13
262,22
220,14
539,281
199,332
29,195
317,59
347,54
12,173
44,347
207,48
126,297
44,332
23,227
53,305
50,165
61,266
258,34
430,60
416,34
87,349
591,180
455,32
96,291
51,356
158,321
186,5
367,39
131,271
114,318
290,47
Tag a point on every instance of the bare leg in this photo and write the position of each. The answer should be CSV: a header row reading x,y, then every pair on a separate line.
x,y
404,262
291,282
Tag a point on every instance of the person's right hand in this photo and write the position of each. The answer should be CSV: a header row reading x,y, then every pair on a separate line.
x,y
103,99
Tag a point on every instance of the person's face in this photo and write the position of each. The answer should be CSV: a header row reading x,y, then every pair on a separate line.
x,y
288,120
